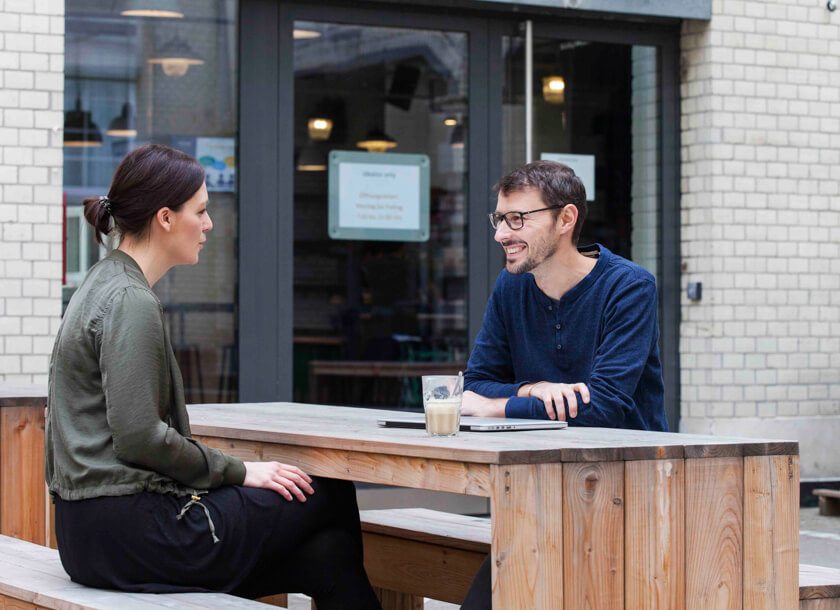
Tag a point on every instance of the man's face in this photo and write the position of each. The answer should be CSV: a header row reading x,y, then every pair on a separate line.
x,y
528,247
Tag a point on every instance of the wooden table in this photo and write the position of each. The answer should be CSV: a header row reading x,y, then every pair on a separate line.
x,y
581,518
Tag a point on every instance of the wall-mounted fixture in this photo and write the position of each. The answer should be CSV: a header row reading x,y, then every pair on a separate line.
x,y
175,57
694,291
319,128
554,89
831,5
79,129
378,141
153,8
123,126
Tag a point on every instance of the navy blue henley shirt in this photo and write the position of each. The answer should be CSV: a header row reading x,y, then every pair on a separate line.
x,y
603,332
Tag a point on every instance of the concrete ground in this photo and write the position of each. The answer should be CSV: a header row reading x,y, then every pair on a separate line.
x,y
819,544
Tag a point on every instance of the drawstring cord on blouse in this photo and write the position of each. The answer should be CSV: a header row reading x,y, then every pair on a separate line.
x,y
197,500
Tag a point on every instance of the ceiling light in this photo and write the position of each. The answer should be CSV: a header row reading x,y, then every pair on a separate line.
x,y
123,125
554,89
450,121
300,34
175,57
319,128
378,141
79,128
152,8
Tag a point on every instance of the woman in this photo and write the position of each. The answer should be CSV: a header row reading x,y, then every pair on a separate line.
x,y
141,506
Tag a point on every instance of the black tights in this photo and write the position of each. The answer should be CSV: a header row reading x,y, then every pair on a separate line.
x,y
480,596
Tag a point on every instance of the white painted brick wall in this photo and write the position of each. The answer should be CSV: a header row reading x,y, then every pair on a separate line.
x,y
761,223
31,105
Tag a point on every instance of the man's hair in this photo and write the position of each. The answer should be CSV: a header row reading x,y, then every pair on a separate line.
x,y
556,183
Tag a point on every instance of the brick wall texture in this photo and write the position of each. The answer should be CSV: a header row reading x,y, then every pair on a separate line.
x,y
761,211
31,108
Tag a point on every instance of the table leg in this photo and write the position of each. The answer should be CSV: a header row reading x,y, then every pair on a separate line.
x,y
771,532
526,501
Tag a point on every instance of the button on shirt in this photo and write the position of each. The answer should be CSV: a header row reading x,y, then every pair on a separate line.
x,y
603,332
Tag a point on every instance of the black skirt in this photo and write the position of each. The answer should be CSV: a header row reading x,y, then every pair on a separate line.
x,y
138,543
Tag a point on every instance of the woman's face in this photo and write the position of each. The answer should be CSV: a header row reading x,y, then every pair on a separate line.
x,y
189,225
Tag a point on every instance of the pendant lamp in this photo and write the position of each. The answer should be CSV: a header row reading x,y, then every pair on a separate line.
x,y
377,141
123,125
153,8
175,57
79,129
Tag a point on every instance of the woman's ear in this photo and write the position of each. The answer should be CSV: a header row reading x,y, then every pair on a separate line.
x,y
163,217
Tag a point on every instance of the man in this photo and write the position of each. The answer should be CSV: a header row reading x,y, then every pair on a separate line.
x,y
569,333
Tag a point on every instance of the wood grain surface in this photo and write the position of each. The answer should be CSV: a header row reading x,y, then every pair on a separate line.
x,y
356,430
527,529
714,494
22,488
593,541
771,532
655,536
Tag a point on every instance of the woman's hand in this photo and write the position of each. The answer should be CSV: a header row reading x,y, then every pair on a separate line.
x,y
554,395
286,480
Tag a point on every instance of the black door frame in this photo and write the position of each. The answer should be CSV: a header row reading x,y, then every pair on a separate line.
x,y
266,149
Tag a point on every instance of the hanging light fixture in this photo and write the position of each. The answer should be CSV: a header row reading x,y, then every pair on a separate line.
x,y
152,8
175,57
319,128
554,89
301,34
123,125
313,158
457,138
377,141
450,121
79,129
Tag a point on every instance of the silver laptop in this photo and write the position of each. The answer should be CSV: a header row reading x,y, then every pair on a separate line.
x,y
475,424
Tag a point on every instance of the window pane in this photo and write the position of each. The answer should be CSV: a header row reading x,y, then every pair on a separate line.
x,y
372,315
125,85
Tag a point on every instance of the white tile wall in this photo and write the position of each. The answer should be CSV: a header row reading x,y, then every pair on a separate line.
x,y
31,106
761,219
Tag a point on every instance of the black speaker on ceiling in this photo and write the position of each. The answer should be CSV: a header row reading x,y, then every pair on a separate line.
x,y
403,86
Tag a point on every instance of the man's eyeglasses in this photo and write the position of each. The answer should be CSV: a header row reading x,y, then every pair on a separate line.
x,y
516,220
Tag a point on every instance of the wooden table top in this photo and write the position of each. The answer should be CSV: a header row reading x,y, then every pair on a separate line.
x,y
351,429
23,395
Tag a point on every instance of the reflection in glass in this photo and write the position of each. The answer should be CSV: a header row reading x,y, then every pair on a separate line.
x,y
108,78
601,100
370,316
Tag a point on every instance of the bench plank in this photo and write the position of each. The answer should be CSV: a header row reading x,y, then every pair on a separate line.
x,y
818,582
32,576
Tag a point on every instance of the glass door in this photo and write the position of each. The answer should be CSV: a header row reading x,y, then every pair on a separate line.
x,y
381,125
596,108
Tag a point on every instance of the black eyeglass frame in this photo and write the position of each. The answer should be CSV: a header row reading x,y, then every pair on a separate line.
x,y
495,218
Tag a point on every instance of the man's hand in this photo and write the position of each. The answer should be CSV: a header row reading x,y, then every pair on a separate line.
x,y
475,404
553,396
288,481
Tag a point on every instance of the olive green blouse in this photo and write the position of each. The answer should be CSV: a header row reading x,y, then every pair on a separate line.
x,y
116,420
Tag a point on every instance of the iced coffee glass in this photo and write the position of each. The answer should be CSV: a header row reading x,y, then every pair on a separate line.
x,y
442,404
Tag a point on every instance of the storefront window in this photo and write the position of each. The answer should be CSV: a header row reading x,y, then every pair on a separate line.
x,y
383,302
135,78
595,107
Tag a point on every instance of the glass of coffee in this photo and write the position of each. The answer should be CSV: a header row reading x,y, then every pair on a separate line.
x,y
442,404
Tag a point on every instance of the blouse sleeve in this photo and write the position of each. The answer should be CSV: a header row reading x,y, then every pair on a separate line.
x,y
136,381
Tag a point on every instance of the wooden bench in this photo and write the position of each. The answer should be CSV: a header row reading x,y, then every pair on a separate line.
x,y
31,577
415,553
829,501
819,588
